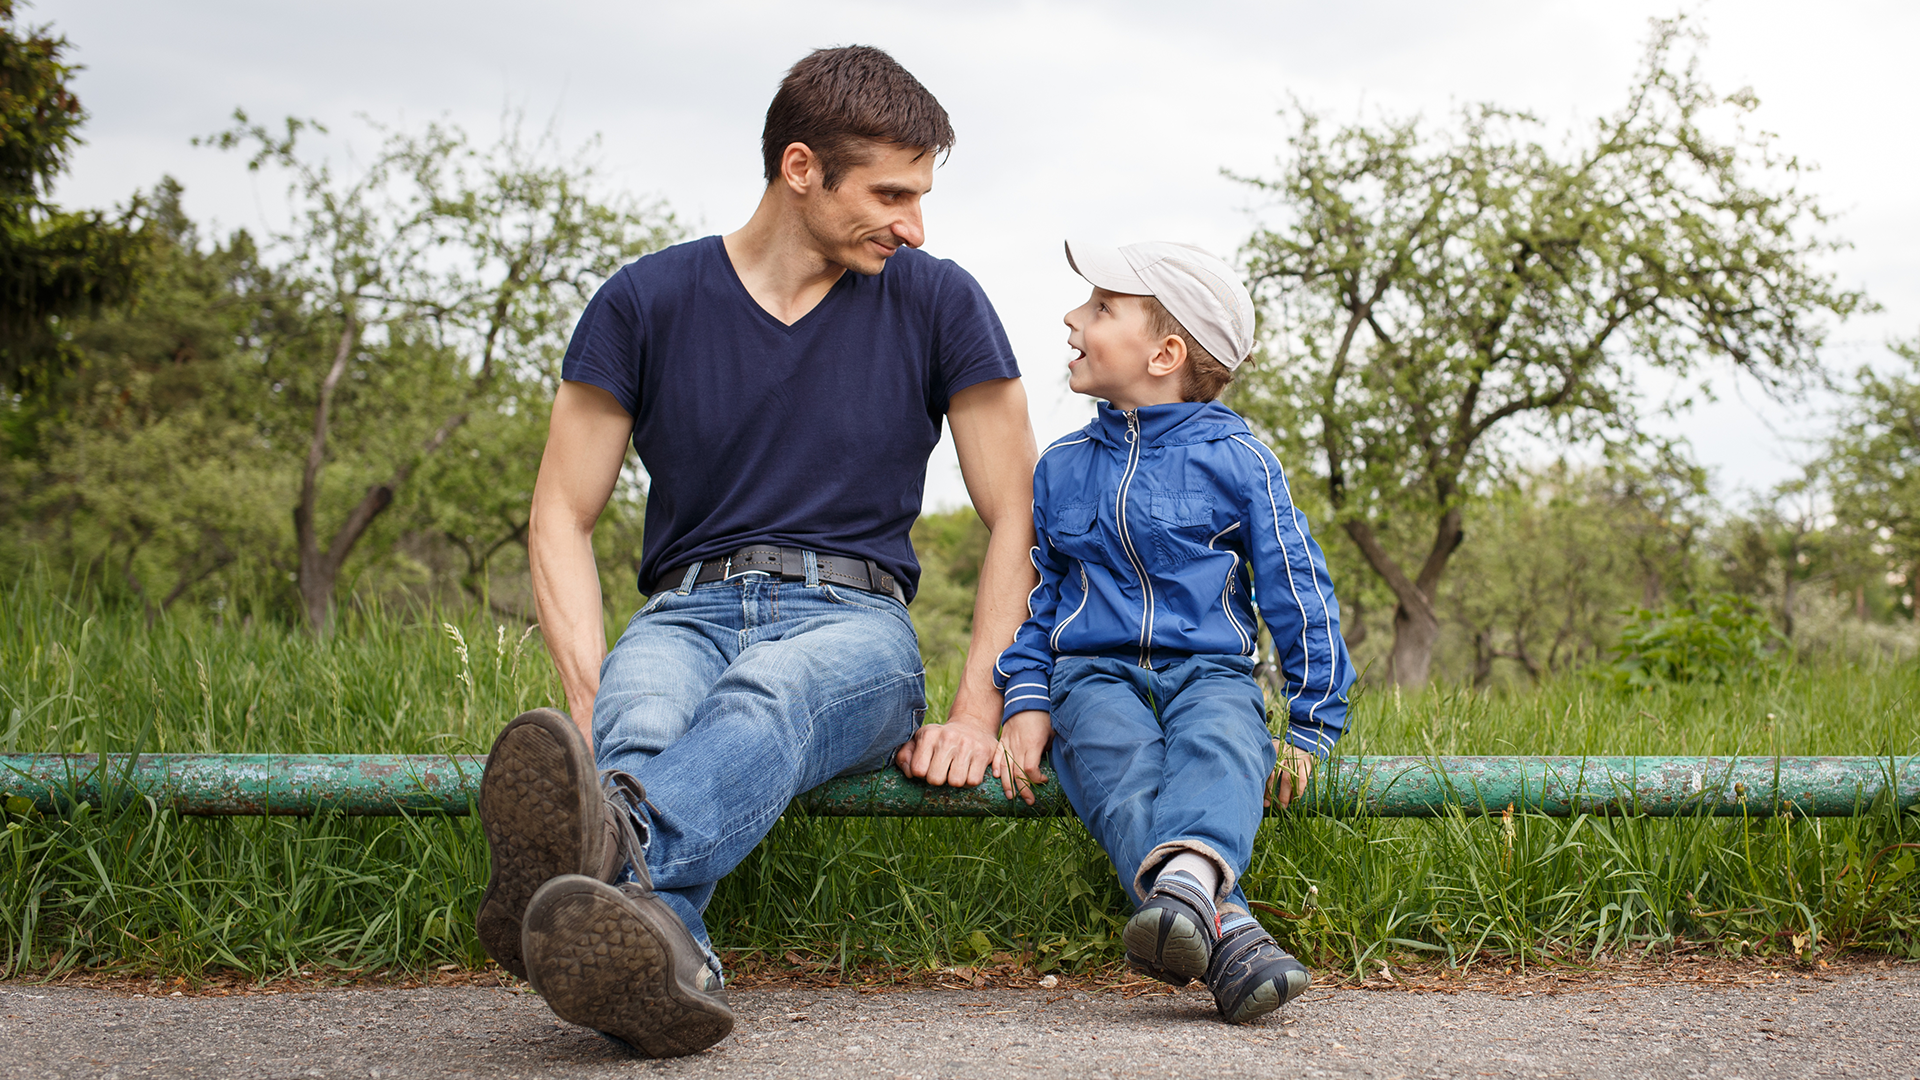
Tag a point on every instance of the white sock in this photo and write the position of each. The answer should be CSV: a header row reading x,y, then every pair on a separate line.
x,y
1196,866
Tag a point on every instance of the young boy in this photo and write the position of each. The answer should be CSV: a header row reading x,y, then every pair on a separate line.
x,y
1161,525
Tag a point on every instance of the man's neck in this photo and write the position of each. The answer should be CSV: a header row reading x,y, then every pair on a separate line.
x,y
777,261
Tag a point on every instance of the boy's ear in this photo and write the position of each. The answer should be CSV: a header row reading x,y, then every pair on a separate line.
x,y
1172,354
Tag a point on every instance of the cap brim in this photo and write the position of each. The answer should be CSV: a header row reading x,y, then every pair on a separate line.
x,y
1106,268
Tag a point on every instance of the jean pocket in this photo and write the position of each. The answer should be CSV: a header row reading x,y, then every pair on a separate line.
x,y
860,598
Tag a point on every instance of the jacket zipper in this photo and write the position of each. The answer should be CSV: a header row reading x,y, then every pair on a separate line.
x,y
1226,594
1126,540
1054,642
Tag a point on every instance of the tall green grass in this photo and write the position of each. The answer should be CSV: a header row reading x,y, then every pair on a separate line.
x,y
159,892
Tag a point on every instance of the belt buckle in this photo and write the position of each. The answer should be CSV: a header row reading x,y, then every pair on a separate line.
x,y
726,569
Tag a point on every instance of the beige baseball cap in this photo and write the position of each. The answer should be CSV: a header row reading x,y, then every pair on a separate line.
x,y
1196,288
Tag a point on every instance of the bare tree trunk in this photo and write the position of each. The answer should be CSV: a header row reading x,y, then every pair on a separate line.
x,y
1483,655
1415,632
1416,625
315,577
320,570
1353,624
1788,588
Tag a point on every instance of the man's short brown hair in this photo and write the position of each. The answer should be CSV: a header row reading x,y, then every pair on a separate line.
x,y
1203,378
835,99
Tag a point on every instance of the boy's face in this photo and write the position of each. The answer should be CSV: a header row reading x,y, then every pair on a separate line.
x,y
1115,347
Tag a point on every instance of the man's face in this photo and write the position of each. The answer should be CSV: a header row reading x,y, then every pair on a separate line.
x,y
875,209
1113,341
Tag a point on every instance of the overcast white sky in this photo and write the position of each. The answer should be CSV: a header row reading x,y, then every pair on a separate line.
x,y
1105,121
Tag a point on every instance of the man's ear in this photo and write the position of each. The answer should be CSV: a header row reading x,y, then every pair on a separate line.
x,y
800,168
1172,354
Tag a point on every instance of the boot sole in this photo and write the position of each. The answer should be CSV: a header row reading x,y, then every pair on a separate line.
x,y
606,961
537,796
1166,945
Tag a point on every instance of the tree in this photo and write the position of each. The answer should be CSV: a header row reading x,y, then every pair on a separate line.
x,y
440,282
53,263
1872,465
1561,552
1432,299
151,463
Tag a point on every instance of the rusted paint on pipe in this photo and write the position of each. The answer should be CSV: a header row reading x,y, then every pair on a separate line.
x,y
247,784
302,784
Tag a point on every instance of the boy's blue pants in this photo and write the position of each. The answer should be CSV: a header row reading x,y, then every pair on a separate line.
x,y
1156,762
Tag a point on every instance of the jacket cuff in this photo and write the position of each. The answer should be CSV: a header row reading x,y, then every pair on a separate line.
x,y
1313,738
1026,691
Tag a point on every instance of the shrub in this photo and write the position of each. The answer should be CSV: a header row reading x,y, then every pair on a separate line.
x,y
1718,639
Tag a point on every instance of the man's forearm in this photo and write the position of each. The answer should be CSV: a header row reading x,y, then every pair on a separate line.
x,y
999,607
566,597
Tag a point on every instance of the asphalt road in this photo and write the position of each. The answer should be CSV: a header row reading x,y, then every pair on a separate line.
x,y
1863,1023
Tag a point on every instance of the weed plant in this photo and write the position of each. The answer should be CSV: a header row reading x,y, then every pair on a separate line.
x,y
148,890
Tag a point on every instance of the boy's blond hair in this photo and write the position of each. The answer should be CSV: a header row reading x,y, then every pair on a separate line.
x,y
1204,378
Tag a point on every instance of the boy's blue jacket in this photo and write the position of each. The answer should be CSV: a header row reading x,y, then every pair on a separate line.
x,y
1158,531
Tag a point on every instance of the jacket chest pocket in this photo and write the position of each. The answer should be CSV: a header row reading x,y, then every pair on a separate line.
x,y
1181,524
1070,529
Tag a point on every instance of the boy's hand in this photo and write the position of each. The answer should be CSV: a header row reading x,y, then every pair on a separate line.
x,y
1023,738
1291,768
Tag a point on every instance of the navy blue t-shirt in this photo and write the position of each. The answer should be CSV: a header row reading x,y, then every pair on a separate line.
x,y
814,435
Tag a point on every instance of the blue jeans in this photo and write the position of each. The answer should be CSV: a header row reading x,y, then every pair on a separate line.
x,y
1160,762
728,700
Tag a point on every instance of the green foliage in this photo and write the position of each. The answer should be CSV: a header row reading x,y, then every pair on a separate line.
x,y
360,402
439,283
1719,638
1429,296
154,464
1872,465
950,547
39,116
1557,554
53,263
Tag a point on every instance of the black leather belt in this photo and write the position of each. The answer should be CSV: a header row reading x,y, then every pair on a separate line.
x,y
788,564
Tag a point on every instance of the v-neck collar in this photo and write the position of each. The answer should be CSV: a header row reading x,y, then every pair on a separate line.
x,y
746,297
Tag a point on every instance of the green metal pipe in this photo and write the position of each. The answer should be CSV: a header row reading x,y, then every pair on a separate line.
x,y
301,784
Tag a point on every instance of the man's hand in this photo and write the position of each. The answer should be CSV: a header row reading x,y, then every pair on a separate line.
x,y
1291,768
1023,738
955,753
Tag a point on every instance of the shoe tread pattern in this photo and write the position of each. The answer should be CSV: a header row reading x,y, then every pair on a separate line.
x,y
600,965
1166,945
533,808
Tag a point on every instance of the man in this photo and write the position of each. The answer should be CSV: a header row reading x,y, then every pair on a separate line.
x,y
784,386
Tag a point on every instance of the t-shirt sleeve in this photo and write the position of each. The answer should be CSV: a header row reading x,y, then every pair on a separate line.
x,y
606,348
970,345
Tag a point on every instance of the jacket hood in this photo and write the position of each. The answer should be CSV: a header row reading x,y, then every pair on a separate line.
x,y
1177,424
